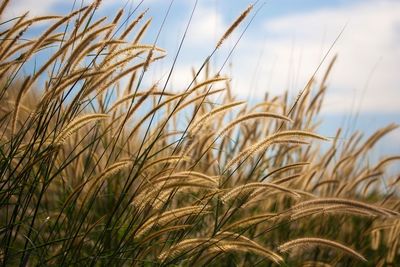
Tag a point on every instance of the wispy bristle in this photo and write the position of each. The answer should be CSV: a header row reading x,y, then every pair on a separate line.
x,y
234,25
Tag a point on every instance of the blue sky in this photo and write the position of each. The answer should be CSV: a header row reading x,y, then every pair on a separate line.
x,y
281,49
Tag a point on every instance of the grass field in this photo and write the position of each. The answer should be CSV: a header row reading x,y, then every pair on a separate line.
x,y
99,168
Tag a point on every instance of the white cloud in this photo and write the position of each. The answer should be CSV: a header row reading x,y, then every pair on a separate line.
x,y
369,51
35,8
206,27
44,7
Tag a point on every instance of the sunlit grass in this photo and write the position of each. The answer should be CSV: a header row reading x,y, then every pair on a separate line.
x,y
96,171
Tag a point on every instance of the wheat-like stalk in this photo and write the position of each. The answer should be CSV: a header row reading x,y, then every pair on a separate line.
x,y
115,168
348,203
234,25
238,246
168,217
165,160
275,138
197,125
164,231
76,124
249,221
253,186
248,152
138,94
302,242
257,115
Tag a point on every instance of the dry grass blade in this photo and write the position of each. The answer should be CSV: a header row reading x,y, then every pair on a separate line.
x,y
115,168
128,50
197,125
280,137
76,124
239,246
211,179
163,104
179,181
208,82
165,160
100,86
286,179
252,116
50,30
348,203
3,6
307,241
197,98
275,138
234,25
187,244
245,223
138,94
164,231
385,161
17,104
190,246
253,186
248,152
168,217
284,169
340,209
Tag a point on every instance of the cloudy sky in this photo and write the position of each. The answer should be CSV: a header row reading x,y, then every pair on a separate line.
x,y
282,48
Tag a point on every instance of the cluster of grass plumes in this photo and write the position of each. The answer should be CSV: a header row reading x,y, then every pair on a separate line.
x,y
91,176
